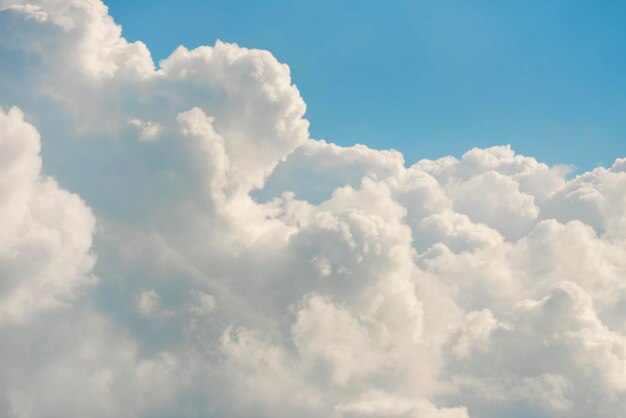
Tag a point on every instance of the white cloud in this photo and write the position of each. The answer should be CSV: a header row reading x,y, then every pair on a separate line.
x,y
148,131
380,404
46,236
246,269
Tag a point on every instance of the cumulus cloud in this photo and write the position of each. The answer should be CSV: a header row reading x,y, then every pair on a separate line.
x,y
148,131
45,255
247,269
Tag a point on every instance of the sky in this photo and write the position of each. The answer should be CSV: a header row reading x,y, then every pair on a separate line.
x,y
429,78
310,218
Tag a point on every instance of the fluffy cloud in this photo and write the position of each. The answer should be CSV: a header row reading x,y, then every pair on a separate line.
x,y
246,269
46,231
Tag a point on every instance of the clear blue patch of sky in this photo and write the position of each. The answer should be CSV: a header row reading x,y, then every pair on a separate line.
x,y
429,78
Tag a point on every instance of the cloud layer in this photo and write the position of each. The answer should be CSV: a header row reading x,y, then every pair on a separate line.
x,y
245,269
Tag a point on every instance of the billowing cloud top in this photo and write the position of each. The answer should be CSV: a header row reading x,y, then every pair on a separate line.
x,y
245,269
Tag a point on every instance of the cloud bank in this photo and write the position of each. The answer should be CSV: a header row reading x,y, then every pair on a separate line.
x,y
213,260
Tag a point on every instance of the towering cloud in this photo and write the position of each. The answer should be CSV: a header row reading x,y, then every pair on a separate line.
x,y
46,231
245,269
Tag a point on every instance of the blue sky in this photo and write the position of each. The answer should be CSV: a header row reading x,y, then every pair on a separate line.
x,y
429,78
